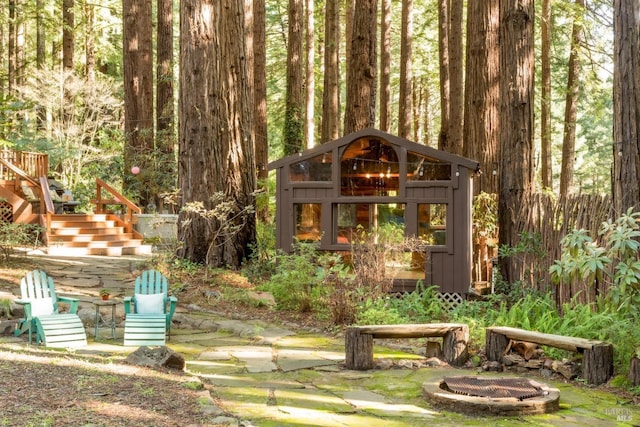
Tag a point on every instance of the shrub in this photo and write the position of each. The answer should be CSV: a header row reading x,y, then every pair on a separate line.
x,y
296,285
14,235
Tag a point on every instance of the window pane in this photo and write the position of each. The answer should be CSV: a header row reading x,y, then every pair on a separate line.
x,y
308,217
369,167
432,223
353,218
315,169
425,168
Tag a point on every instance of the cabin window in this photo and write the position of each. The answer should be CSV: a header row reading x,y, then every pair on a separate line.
x,y
353,218
432,223
425,168
317,169
308,216
369,167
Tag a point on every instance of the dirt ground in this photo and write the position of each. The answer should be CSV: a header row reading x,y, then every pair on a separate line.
x,y
44,388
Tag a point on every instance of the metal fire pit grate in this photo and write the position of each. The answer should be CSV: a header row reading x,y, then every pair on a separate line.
x,y
519,388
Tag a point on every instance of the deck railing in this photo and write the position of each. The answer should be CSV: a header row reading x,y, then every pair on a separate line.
x,y
33,164
115,198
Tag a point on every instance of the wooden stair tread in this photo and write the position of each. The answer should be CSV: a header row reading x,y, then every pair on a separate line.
x,y
92,234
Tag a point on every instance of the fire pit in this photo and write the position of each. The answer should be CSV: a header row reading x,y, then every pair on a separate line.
x,y
492,396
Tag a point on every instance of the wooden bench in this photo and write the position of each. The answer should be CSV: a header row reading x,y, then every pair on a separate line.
x,y
359,341
597,359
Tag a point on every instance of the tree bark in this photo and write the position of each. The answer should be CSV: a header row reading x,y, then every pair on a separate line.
x,y
216,150
456,86
571,104
138,96
362,69
385,65
310,86
482,103
626,106
68,24
445,81
545,102
294,108
516,119
260,103
89,42
405,110
164,155
331,86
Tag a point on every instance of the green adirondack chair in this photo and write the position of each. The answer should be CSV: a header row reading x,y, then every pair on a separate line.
x,y
42,316
149,311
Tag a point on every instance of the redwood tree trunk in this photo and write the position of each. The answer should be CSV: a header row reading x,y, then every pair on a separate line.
x,y
385,65
405,111
482,93
68,23
546,171
138,96
516,118
220,158
456,107
331,90
445,82
362,69
260,101
164,155
294,109
571,105
626,105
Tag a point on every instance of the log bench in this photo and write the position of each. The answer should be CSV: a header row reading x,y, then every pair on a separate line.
x,y
359,341
597,356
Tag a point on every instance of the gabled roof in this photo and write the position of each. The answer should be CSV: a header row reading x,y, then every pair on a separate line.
x,y
392,139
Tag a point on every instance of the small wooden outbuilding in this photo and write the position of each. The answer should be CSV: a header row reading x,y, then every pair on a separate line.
x,y
370,179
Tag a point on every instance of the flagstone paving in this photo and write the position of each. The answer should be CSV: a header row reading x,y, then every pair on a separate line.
x,y
268,375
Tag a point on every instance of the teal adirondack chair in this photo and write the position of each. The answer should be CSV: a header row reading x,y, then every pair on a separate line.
x,y
149,311
41,315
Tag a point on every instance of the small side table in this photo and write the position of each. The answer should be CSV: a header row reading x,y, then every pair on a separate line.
x,y
102,322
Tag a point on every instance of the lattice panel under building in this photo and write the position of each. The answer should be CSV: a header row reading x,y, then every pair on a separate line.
x,y
450,300
6,212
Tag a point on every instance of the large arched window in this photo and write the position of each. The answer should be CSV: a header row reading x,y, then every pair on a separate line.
x,y
369,167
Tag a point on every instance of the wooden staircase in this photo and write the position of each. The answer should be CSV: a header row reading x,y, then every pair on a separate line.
x,y
92,234
26,198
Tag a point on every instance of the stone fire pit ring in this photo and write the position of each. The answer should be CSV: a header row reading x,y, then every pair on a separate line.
x,y
437,393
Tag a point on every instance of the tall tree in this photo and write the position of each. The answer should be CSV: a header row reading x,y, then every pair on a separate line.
x,y
331,83
68,31
138,95
164,154
516,121
261,142
294,110
482,93
164,72
571,103
11,50
456,85
405,112
626,105
310,86
445,70
89,41
545,101
361,68
215,146
385,65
